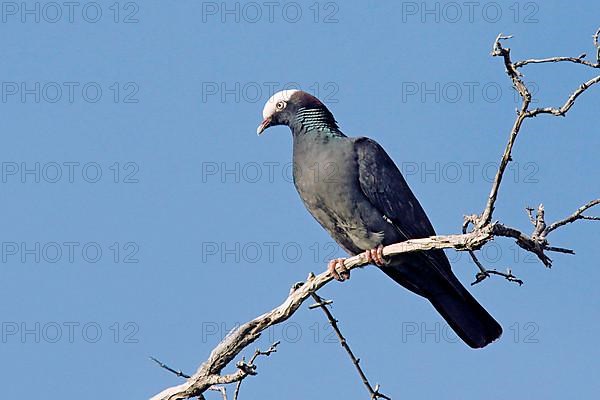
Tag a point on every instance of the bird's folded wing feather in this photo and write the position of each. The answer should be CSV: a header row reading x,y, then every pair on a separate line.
x,y
385,187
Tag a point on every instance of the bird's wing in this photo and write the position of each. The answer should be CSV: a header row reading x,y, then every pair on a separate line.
x,y
383,184
385,187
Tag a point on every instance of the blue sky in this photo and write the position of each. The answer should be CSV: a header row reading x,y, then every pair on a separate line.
x,y
141,214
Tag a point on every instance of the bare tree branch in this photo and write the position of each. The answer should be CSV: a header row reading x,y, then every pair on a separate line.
x,y
179,373
559,112
524,112
374,393
257,353
221,389
597,45
209,372
165,366
578,214
485,273
576,60
483,230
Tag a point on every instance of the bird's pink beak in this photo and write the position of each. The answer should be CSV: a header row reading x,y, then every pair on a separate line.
x,y
264,125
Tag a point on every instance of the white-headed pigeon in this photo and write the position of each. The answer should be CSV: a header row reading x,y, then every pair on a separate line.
x,y
356,192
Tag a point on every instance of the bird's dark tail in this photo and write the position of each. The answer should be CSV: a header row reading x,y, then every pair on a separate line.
x,y
471,322
431,277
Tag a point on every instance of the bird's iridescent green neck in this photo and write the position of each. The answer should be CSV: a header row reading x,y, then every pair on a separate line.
x,y
315,120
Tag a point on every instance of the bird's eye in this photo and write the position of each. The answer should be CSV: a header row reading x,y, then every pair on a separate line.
x,y
280,105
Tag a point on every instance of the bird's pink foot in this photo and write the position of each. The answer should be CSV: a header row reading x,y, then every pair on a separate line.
x,y
376,256
338,270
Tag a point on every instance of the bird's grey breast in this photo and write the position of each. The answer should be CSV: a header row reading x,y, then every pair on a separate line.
x,y
326,177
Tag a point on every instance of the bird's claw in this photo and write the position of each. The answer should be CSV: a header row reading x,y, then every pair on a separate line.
x,y
338,270
376,256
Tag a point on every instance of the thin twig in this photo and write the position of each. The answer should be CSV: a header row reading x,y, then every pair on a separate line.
x,y
597,45
322,304
221,389
483,271
576,60
530,214
578,214
515,76
165,366
561,111
257,353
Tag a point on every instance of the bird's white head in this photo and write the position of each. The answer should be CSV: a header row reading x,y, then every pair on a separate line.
x,y
275,104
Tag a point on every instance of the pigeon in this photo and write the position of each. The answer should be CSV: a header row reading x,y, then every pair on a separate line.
x,y
352,187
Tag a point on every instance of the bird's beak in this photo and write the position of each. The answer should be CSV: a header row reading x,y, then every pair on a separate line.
x,y
264,125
